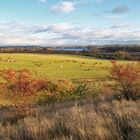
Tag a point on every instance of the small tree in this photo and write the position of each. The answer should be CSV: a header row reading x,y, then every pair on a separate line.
x,y
122,55
126,78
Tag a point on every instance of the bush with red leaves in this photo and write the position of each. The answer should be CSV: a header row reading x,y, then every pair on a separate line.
x,y
20,87
127,79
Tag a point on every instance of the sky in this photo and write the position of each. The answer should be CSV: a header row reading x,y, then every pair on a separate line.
x,y
69,22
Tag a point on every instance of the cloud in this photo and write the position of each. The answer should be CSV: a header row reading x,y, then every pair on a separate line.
x,y
115,13
62,27
119,10
17,33
123,25
63,7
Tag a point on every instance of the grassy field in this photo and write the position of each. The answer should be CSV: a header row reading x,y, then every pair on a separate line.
x,y
57,66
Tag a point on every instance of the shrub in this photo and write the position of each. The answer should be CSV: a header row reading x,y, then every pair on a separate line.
x,y
56,91
127,79
60,86
122,55
62,90
19,87
80,91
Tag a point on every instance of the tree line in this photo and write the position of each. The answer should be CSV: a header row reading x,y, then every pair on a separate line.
x,y
121,52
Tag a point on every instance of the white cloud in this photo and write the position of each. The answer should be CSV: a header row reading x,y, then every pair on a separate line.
x,y
62,27
63,7
16,33
124,25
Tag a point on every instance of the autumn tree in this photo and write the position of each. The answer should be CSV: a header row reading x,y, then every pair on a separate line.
x,y
126,78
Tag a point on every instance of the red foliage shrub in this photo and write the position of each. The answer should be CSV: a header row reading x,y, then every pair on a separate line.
x,y
127,79
20,87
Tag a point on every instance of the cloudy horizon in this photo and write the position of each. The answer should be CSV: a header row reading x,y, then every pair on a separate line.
x,y
69,22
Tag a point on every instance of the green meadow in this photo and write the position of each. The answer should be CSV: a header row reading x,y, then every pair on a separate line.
x,y
57,66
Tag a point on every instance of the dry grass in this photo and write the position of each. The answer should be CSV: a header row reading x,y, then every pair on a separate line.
x,y
88,119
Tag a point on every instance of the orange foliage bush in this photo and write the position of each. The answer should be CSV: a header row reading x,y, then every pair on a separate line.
x,y
127,79
20,87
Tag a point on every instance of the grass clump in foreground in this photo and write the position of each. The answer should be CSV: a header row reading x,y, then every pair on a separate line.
x,y
88,119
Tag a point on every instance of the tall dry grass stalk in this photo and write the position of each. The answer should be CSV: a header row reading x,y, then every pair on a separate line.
x,y
89,119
